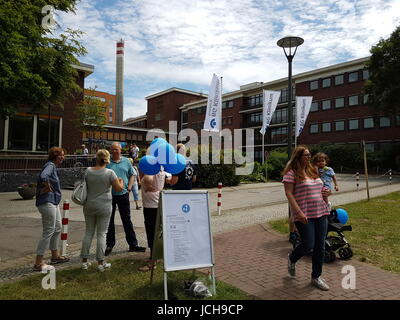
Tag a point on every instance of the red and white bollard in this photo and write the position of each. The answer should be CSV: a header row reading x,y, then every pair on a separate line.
x,y
219,197
64,231
390,176
358,180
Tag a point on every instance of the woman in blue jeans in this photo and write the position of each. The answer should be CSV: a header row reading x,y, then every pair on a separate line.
x,y
304,191
48,196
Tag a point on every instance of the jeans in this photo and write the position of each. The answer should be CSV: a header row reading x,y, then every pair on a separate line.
x,y
125,212
98,223
51,220
135,191
313,236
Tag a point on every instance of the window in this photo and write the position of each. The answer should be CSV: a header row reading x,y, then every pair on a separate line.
x,y
314,106
365,74
398,121
20,133
370,147
104,135
201,110
326,127
326,104
227,120
353,76
326,83
353,124
339,125
43,133
314,85
353,100
279,116
384,122
339,103
279,135
339,79
157,117
254,101
110,119
255,117
116,136
365,99
314,128
227,104
110,136
185,117
369,123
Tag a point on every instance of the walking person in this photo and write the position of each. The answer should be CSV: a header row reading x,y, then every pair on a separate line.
x,y
97,209
123,169
151,188
48,197
304,191
136,183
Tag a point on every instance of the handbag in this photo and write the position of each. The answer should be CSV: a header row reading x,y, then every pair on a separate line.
x,y
79,195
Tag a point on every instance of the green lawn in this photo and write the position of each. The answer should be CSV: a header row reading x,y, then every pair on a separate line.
x,y
122,282
376,230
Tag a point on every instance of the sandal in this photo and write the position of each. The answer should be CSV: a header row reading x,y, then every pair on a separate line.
x,y
58,260
42,267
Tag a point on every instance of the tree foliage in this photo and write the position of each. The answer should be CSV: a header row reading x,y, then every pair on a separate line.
x,y
35,65
383,86
90,113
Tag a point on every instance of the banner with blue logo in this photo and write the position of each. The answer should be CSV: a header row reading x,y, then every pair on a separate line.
x,y
212,121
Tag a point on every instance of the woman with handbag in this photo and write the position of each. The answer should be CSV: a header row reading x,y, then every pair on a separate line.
x,y
48,196
97,208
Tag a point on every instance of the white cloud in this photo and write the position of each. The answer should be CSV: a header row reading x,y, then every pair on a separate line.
x,y
183,42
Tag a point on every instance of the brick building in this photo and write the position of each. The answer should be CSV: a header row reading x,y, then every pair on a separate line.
x,y
27,132
109,102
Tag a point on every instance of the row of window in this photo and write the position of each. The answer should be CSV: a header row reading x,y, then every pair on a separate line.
x,y
353,124
113,136
202,110
257,100
340,102
339,79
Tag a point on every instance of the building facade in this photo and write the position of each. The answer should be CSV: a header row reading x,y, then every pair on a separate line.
x,y
109,102
29,132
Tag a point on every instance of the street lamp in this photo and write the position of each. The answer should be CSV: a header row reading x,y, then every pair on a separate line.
x,y
290,42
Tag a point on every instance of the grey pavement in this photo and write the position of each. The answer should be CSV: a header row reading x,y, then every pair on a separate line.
x,y
244,205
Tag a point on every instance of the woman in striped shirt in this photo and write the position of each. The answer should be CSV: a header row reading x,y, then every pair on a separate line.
x,y
303,189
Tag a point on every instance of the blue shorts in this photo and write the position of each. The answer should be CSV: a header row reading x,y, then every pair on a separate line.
x,y
135,191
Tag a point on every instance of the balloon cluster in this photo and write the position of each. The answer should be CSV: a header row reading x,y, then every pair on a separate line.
x,y
161,153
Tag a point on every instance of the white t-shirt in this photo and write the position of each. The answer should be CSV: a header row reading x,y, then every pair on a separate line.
x,y
150,199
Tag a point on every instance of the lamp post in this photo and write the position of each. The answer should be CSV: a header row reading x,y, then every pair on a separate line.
x,y
290,42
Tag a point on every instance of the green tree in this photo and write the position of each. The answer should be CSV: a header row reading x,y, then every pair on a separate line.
x,y
35,65
90,114
383,85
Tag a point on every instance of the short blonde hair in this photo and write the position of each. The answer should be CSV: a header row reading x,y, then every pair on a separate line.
x,y
102,157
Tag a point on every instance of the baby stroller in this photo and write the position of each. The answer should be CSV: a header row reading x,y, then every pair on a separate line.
x,y
336,223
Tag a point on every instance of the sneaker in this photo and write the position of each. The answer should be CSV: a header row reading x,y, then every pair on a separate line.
x,y
291,267
320,284
108,251
86,265
137,249
104,266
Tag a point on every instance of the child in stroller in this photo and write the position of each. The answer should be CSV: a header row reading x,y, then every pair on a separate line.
x,y
336,223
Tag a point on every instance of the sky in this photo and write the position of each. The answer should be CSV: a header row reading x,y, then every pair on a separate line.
x,y
181,43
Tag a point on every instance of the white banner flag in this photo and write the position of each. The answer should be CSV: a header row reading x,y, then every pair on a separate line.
x,y
270,101
212,121
303,105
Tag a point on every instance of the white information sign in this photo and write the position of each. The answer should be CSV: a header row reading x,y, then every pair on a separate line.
x,y
187,234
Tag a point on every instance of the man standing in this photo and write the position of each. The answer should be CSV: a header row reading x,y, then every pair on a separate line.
x,y
134,151
123,168
185,179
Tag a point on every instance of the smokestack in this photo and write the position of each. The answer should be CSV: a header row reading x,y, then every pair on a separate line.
x,y
119,89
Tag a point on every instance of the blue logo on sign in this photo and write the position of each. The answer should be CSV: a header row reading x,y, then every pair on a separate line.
x,y
213,123
185,208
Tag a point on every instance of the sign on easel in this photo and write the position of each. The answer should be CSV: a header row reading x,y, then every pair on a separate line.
x,y
183,237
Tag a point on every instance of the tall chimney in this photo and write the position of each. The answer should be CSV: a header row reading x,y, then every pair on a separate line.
x,y
119,89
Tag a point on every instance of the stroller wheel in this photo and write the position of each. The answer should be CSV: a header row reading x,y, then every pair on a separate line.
x,y
345,253
329,256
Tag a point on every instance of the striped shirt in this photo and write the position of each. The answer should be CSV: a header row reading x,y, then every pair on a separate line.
x,y
308,195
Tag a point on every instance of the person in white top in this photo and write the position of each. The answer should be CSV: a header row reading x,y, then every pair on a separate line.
x,y
151,188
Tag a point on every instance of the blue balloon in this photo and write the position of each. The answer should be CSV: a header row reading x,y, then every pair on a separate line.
x,y
149,165
164,152
178,167
342,215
